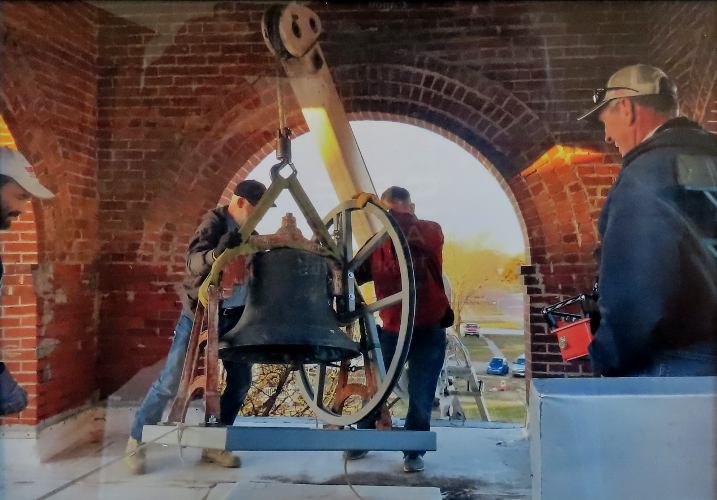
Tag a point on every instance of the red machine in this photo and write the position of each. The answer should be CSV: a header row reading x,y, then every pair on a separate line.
x,y
574,329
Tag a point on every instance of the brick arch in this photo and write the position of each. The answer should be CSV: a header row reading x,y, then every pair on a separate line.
x,y
553,188
509,139
269,148
478,111
475,109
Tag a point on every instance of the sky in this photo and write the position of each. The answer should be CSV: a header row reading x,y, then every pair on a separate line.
x,y
447,184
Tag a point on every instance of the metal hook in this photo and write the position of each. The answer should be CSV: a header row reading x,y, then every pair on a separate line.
x,y
283,152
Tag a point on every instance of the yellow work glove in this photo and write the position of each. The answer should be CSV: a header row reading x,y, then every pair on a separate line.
x,y
363,198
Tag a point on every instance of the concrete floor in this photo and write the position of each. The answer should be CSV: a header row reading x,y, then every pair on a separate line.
x,y
476,461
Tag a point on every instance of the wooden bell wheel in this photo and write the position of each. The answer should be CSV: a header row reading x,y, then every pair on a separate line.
x,y
343,393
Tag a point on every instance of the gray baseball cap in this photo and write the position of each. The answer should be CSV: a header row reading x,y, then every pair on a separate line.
x,y
14,165
631,81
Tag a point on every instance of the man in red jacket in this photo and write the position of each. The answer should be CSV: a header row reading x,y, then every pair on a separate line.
x,y
428,344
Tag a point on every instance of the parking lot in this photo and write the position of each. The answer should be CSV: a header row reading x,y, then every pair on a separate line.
x,y
504,395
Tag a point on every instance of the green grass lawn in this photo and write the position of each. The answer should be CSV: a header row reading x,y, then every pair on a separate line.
x,y
511,346
502,407
470,407
513,385
477,348
501,411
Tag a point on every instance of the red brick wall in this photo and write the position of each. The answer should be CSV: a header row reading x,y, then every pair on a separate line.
x,y
561,195
172,135
48,99
18,311
683,38
185,105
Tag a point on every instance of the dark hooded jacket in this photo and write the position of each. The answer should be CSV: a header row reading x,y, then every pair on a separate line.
x,y
658,272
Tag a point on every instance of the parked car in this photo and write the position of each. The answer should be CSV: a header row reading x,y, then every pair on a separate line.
x,y
497,366
518,367
471,329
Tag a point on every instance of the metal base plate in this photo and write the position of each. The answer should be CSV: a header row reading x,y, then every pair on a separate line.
x,y
236,438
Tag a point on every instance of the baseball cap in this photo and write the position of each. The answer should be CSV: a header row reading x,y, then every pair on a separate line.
x,y
630,81
14,165
252,191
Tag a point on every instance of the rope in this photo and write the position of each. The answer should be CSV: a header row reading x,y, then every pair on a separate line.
x,y
180,432
74,481
346,475
280,100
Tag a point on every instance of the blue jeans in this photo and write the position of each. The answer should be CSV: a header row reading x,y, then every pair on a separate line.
x,y
681,363
425,360
165,387
13,398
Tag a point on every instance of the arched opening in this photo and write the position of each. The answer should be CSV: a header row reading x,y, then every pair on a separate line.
x,y
485,240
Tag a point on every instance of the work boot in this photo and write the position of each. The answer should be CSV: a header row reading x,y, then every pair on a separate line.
x,y
355,454
225,458
412,464
135,460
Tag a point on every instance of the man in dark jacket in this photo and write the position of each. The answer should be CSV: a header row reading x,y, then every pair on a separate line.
x,y
18,185
428,342
658,267
218,231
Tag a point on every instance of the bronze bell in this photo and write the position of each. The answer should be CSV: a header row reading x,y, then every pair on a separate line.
x,y
288,318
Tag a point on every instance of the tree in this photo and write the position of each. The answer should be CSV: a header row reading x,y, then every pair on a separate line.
x,y
510,274
473,266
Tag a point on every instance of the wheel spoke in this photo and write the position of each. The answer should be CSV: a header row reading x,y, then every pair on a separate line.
x,y
366,250
389,301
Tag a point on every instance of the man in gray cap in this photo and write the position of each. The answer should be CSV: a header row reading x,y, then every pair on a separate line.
x,y
658,262
18,185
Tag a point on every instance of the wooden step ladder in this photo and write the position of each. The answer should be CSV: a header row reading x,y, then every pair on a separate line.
x,y
463,370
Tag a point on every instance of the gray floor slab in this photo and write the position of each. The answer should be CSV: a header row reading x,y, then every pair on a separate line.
x,y
471,463
274,491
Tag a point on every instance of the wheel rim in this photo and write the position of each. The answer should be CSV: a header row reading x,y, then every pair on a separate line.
x,y
325,387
